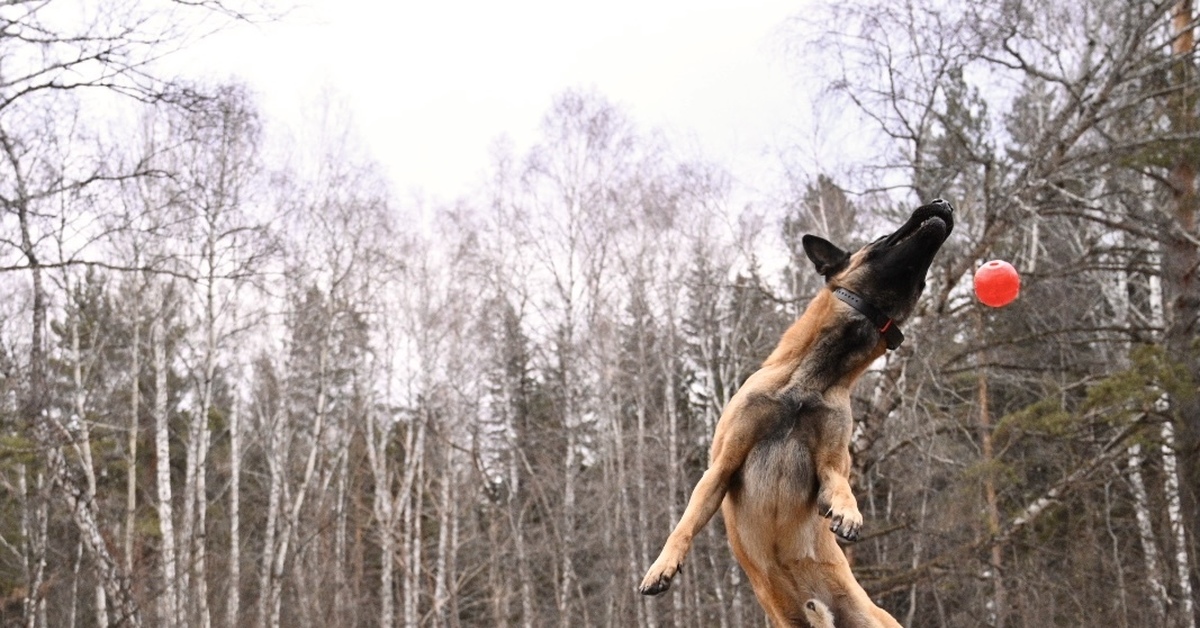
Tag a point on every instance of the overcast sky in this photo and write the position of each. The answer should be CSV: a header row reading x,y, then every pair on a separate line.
x,y
431,85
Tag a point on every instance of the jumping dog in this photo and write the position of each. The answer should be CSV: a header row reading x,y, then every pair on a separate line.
x,y
779,465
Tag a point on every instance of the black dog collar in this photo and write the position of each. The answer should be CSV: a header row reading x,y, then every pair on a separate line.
x,y
886,326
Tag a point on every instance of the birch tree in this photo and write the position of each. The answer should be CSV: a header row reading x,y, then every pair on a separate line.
x,y
216,164
574,183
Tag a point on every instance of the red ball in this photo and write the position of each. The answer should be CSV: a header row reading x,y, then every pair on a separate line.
x,y
997,283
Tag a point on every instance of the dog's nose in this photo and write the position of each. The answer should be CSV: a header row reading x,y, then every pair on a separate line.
x,y
943,203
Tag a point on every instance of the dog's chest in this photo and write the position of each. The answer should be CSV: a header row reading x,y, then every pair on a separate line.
x,y
779,471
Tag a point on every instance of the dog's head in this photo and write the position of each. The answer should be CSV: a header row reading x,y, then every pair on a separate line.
x,y
888,273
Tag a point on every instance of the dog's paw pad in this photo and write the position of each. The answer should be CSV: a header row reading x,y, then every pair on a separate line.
x,y
845,532
656,587
658,579
846,524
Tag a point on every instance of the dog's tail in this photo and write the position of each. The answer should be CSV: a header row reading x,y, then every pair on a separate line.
x,y
817,614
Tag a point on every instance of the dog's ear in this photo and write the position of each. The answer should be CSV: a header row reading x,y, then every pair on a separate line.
x,y
825,255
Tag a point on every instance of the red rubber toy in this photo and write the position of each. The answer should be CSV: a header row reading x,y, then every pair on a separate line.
x,y
997,283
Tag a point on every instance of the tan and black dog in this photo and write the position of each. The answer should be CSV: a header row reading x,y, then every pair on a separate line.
x,y
780,460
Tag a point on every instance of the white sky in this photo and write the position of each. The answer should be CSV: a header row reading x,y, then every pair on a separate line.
x,y
433,84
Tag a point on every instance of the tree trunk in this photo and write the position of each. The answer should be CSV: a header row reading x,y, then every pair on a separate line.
x,y
168,600
673,463
383,506
566,563
633,554
498,585
643,502
83,445
193,577
517,523
1187,611
34,531
234,591
1181,283
131,438
444,576
340,540
1175,494
83,512
50,435
1141,503
411,496
276,466
995,565
292,522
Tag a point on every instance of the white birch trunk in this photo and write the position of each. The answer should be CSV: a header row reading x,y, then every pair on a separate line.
x,y
193,583
566,564
499,584
34,521
1171,486
383,506
387,582
340,607
168,600
73,614
82,443
131,442
718,578
199,552
1187,613
1117,294
673,463
84,515
643,522
516,518
198,539
1141,506
411,516
201,432
292,523
234,591
443,575
276,461
625,517
187,519
452,558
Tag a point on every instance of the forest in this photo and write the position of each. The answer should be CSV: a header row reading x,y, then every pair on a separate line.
x,y
250,386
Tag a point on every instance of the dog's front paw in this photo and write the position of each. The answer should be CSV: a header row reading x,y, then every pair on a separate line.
x,y
658,579
844,518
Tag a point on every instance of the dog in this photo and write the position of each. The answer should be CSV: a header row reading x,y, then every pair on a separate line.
x,y
779,466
